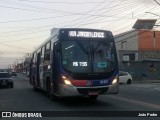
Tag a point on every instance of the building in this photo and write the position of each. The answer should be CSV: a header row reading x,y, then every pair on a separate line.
x,y
139,53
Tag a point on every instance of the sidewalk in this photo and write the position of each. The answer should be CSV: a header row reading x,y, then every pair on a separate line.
x,y
145,81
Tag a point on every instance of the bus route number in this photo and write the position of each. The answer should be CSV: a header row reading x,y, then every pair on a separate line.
x,y
83,64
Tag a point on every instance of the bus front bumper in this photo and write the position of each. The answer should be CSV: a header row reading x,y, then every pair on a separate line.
x,y
66,90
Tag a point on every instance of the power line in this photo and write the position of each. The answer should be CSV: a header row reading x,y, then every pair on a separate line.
x,y
40,9
24,39
87,23
61,2
157,2
15,47
89,17
57,16
45,26
93,19
123,20
104,16
118,11
28,32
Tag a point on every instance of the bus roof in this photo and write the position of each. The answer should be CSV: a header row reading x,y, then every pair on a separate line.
x,y
56,32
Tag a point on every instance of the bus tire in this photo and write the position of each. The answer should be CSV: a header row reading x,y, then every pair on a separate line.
x,y
34,86
93,97
49,91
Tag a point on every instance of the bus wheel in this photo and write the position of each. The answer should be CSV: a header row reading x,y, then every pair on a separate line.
x,y
93,97
49,91
34,87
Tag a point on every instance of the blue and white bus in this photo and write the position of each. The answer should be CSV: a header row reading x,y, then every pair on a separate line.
x,y
76,62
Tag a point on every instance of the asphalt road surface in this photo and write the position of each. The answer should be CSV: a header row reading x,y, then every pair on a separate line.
x,y
134,97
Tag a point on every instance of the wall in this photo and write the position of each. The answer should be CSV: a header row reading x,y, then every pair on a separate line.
x,y
140,53
140,68
131,39
157,38
149,40
145,40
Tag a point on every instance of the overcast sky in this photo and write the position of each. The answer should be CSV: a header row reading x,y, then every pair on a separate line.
x,y
25,24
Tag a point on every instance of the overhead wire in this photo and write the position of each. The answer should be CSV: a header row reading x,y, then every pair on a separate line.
x,y
34,8
127,25
48,26
97,19
32,1
90,17
122,21
2,44
91,10
17,31
24,39
41,8
107,11
18,21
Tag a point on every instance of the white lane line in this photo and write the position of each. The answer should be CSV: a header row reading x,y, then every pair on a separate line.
x,y
136,102
157,89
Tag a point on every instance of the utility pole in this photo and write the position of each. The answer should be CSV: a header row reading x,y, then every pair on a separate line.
x,y
157,2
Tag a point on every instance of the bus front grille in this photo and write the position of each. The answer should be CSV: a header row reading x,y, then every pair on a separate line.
x,y
85,91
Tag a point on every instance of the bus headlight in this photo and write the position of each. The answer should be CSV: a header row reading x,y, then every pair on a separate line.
x,y
115,80
66,80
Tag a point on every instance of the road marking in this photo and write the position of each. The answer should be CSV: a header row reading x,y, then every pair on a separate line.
x,y
157,89
136,102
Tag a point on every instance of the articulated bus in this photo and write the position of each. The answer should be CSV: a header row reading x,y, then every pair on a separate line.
x,y
76,62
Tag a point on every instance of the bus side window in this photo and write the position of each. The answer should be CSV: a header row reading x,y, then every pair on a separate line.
x,y
34,58
47,51
42,54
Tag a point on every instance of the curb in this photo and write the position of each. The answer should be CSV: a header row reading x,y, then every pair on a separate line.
x,y
147,81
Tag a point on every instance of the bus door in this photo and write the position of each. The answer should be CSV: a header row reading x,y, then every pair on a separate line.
x,y
30,70
55,68
38,73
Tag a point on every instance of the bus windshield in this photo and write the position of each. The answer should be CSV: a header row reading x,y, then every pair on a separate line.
x,y
88,56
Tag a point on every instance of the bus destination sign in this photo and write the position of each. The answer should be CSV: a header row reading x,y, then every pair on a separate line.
x,y
86,34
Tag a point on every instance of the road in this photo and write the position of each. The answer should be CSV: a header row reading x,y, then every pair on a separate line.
x,y
135,97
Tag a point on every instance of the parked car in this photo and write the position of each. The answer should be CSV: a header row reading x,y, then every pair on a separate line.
x,y
14,74
6,79
125,77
